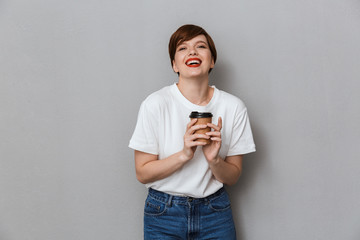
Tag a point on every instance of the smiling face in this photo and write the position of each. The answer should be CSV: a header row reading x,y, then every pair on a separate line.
x,y
193,58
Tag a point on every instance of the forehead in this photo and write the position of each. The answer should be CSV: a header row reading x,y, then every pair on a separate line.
x,y
194,40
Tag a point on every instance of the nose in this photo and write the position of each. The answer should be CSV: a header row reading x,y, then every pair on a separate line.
x,y
192,51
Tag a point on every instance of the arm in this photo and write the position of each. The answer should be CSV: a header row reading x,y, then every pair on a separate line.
x,y
226,170
150,168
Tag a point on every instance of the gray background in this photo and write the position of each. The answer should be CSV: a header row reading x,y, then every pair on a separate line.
x,y
73,74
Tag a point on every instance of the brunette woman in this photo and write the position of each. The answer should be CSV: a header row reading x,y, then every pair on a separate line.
x,y
185,176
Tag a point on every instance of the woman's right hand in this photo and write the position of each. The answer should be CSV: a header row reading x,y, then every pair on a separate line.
x,y
190,137
149,168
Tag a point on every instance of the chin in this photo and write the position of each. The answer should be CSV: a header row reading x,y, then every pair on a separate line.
x,y
196,74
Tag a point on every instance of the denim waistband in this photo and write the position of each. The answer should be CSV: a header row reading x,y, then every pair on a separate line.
x,y
168,198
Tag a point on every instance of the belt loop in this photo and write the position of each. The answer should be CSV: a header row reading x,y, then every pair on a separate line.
x,y
169,200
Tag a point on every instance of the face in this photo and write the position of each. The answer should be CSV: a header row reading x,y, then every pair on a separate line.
x,y
193,58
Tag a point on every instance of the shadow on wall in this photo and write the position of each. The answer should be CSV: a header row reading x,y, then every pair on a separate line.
x,y
222,79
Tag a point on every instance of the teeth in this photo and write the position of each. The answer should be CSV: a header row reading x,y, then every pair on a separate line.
x,y
193,62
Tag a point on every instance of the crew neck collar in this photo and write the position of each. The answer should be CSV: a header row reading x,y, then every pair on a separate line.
x,y
191,106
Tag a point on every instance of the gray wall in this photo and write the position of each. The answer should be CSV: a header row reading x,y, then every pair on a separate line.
x,y
73,74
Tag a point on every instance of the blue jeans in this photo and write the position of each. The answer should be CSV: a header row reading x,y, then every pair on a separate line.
x,y
174,217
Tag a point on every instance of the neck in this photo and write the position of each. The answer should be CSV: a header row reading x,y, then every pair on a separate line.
x,y
196,91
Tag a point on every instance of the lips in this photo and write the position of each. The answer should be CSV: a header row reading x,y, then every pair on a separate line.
x,y
193,62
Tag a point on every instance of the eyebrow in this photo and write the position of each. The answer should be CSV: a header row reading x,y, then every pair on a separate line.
x,y
200,41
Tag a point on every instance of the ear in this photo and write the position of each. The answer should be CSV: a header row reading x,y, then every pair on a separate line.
x,y
174,67
212,63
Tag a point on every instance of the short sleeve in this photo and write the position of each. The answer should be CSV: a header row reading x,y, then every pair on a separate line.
x,y
242,141
145,136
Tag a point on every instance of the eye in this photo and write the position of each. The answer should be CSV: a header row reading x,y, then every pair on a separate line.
x,y
181,48
201,46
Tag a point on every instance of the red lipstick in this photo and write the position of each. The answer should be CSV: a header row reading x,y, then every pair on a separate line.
x,y
193,62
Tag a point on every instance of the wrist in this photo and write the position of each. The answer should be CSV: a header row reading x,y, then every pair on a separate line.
x,y
216,161
183,156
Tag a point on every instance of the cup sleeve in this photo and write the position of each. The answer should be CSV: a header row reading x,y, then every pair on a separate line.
x,y
145,136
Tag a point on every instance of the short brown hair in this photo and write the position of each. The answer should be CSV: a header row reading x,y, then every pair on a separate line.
x,y
186,33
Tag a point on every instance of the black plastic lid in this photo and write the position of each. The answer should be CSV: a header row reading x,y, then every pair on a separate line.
x,y
200,115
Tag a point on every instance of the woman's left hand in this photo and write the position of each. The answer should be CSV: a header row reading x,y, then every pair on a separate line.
x,y
211,150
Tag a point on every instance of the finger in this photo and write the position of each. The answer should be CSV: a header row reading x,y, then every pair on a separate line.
x,y
197,136
196,127
196,143
191,123
214,134
215,127
216,139
200,126
220,123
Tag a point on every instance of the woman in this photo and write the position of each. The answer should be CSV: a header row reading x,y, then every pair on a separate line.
x,y
185,175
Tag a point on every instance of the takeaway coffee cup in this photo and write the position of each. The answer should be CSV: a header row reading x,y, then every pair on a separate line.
x,y
202,118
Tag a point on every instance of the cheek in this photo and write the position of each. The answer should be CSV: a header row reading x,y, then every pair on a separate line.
x,y
177,59
207,55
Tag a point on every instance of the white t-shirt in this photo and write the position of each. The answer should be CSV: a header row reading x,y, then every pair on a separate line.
x,y
160,130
